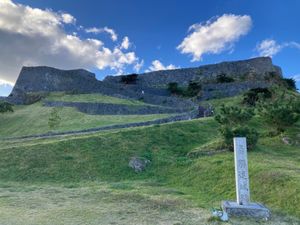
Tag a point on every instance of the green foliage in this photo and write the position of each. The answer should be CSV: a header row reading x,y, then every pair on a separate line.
x,y
229,133
289,83
6,107
192,90
223,78
253,95
173,88
280,113
233,115
54,119
233,123
129,79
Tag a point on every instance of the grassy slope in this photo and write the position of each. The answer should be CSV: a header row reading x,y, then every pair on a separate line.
x,y
92,98
83,163
274,167
33,119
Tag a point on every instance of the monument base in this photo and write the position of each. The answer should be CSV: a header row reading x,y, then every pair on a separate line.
x,y
253,210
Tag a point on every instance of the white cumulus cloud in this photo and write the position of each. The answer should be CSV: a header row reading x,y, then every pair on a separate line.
x,y
31,36
269,47
157,65
215,36
96,30
125,43
68,18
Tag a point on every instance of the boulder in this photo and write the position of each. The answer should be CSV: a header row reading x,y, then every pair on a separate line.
x,y
138,164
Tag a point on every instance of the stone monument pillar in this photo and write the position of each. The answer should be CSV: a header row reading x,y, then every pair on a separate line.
x,y
243,206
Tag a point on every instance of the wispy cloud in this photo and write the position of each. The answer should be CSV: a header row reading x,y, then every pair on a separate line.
x,y
96,30
296,77
138,66
270,47
215,36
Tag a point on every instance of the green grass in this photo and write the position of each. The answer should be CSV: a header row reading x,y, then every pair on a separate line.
x,y
33,119
230,101
274,167
91,98
131,202
85,179
96,203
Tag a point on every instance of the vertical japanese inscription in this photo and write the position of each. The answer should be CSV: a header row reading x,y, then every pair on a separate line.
x,y
241,171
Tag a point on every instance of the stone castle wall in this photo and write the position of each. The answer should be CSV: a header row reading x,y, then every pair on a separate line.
x,y
153,84
256,68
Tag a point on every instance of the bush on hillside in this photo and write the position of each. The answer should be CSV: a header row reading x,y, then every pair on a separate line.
x,y
6,107
233,123
280,113
223,78
129,79
233,115
289,83
253,95
54,118
192,90
173,88
229,133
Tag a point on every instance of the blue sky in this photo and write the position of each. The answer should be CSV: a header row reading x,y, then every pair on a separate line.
x,y
115,37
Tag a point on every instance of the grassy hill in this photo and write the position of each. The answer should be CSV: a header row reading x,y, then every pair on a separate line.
x,y
33,119
86,179
91,98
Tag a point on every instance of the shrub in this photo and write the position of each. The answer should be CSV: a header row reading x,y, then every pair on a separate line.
x,y
129,79
253,95
173,88
233,115
193,89
233,122
229,133
6,107
54,118
280,113
289,83
222,78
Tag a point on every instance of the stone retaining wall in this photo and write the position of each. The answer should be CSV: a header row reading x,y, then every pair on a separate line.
x,y
212,91
114,109
185,116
